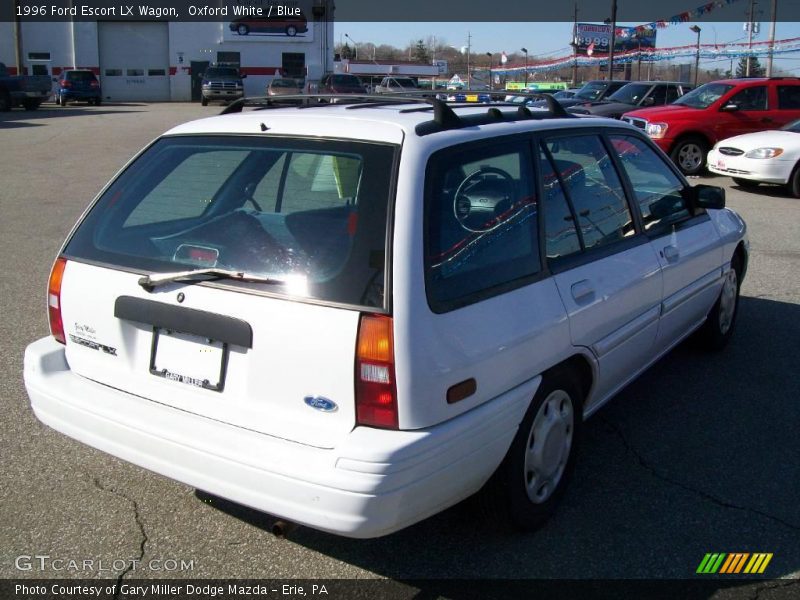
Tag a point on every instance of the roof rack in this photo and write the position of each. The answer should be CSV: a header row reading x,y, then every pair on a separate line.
x,y
444,117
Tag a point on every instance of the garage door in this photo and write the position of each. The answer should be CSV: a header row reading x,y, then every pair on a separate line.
x,y
134,61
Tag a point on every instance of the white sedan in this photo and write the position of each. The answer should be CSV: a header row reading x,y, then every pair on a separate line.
x,y
763,157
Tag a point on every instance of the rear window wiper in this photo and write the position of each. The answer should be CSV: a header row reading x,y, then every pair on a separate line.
x,y
151,282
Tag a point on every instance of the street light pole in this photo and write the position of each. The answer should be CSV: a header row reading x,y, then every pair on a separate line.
x,y
525,50
355,44
489,54
697,30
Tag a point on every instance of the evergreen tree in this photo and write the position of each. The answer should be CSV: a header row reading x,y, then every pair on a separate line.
x,y
420,53
756,70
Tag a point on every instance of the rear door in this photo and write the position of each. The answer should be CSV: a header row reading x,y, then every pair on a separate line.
x,y
309,216
606,271
687,246
787,103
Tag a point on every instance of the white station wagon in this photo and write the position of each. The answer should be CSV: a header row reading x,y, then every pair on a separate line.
x,y
353,316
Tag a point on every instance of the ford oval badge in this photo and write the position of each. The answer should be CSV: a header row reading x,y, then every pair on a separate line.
x,y
320,403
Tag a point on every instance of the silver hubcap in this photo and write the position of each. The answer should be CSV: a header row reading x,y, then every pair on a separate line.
x,y
690,157
548,447
727,301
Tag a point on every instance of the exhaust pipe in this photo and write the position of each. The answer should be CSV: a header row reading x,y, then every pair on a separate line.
x,y
281,529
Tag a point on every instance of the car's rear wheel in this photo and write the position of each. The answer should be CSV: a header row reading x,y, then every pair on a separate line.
x,y
794,182
204,101
745,183
243,29
717,331
528,485
690,155
291,31
31,104
5,101
98,101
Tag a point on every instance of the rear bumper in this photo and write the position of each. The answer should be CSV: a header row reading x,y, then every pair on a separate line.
x,y
373,483
79,94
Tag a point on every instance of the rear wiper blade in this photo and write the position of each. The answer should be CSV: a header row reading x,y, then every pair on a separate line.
x,y
151,282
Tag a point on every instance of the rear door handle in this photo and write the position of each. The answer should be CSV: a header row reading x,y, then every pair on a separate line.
x,y
671,253
582,291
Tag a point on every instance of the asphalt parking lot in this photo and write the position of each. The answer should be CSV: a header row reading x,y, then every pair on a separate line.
x,y
699,455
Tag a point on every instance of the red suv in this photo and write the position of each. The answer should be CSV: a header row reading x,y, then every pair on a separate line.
x,y
690,126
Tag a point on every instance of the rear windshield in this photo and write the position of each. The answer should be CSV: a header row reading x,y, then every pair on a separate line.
x,y
310,213
284,83
351,80
80,75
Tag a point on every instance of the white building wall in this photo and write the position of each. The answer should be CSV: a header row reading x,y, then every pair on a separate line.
x,y
76,45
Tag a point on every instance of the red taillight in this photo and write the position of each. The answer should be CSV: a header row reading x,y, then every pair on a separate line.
x,y
376,394
54,300
94,83
65,83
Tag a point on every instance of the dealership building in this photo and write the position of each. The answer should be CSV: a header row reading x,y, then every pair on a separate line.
x,y
162,61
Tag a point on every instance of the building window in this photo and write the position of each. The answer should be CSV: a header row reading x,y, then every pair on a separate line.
x,y
113,72
39,69
135,72
229,59
156,72
38,56
294,64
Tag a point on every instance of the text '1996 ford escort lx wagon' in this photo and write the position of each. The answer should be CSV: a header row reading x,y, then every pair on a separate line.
x,y
353,315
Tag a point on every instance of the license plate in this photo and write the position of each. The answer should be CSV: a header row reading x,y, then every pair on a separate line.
x,y
472,97
189,359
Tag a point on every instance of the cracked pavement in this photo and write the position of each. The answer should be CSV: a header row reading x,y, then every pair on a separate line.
x,y
699,455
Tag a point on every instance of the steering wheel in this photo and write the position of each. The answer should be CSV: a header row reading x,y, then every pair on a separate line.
x,y
481,197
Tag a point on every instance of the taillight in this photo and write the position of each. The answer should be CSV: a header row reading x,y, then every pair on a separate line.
x,y
376,393
94,83
54,300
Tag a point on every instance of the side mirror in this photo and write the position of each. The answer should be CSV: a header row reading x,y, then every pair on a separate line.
x,y
649,101
706,196
730,107
243,75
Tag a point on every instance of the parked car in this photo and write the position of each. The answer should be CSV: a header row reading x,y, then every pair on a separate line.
x,y
222,84
284,86
592,91
28,91
341,83
637,93
688,127
389,85
765,157
273,24
78,84
353,319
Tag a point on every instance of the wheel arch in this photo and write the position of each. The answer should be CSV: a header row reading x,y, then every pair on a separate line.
x,y
690,133
584,368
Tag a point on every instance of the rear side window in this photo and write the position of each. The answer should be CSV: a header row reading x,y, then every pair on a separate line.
x,y
561,236
789,97
656,187
480,223
593,187
309,214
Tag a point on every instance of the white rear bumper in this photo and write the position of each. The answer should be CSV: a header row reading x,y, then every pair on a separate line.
x,y
374,483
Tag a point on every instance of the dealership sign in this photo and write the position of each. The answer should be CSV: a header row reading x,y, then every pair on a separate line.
x,y
593,39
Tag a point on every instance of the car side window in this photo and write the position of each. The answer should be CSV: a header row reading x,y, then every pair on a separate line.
x,y
656,188
659,95
593,187
480,223
561,236
752,98
789,97
673,94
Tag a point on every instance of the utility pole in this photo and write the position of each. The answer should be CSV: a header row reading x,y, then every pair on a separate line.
x,y
749,37
17,39
772,36
469,46
613,39
574,46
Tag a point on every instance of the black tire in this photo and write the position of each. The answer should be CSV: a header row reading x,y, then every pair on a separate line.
x,y
204,101
690,155
30,104
291,31
717,331
794,182
5,101
243,29
98,101
518,495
